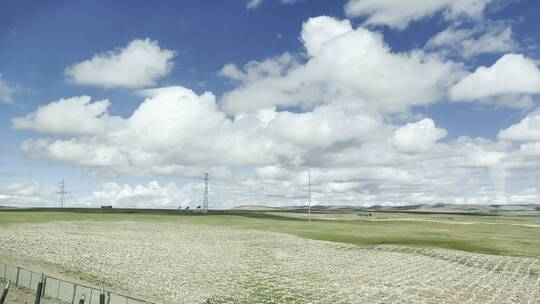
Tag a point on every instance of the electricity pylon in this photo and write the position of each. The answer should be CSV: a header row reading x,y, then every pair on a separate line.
x,y
61,192
205,198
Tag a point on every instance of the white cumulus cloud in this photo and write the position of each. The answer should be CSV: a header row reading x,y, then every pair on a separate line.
x,y
140,64
526,130
511,76
175,131
417,137
27,194
76,115
347,65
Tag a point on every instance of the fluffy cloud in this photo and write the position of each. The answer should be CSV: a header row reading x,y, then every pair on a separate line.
x,y
175,131
174,196
26,195
526,130
417,137
120,196
152,195
256,70
85,117
231,71
398,14
140,64
365,74
172,131
469,42
82,151
511,76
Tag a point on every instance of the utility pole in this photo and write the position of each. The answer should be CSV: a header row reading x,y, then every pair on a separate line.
x,y
205,198
309,194
61,192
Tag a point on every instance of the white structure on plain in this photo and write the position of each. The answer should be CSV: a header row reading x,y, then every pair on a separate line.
x,y
205,198
309,194
61,192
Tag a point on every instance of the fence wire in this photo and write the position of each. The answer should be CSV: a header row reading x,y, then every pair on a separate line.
x,y
60,290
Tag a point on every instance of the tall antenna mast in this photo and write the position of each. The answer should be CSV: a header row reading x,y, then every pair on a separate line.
x,y
61,192
205,199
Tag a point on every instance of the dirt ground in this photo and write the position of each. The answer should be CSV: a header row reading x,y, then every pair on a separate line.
x,y
24,296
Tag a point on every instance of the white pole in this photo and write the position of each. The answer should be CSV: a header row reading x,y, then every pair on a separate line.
x,y
309,195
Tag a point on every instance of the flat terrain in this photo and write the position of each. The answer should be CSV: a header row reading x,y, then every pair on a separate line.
x,y
278,257
511,234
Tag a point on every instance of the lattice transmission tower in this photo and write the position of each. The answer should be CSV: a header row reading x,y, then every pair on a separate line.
x,y
61,192
205,198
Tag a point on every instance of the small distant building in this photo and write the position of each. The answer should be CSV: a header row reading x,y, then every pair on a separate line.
x,y
106,207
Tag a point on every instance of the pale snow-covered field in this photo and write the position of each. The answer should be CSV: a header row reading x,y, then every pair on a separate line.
x,y
178,263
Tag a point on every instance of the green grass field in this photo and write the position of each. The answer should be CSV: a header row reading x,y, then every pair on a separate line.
x,y
507,234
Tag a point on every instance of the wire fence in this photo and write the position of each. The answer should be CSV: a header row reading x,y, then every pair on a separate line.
x,y
60,290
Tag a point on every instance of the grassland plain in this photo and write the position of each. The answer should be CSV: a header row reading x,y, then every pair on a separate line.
x,y
509,234
277,257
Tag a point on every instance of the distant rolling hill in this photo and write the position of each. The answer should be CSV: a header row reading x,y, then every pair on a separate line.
x,y
256,208
440,207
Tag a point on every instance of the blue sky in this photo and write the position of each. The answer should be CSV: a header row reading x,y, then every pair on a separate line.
x,y
438,116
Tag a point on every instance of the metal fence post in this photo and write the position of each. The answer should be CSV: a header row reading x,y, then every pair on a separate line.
x,y
58,290
5,292
102,295
74,293
44,286
17,279
38,291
